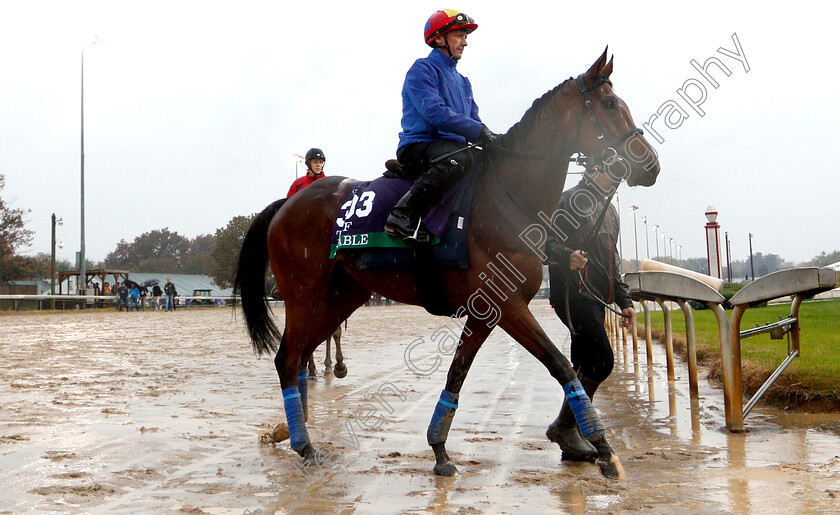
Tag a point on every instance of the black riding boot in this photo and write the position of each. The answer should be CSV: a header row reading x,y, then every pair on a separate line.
x,y
405,219
565,432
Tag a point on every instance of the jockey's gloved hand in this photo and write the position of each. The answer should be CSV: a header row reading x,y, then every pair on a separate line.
x,y
487,137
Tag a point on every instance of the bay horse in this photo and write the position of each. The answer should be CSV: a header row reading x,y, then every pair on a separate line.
x,y
517,191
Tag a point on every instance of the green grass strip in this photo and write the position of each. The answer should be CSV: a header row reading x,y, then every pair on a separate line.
x,y
815,375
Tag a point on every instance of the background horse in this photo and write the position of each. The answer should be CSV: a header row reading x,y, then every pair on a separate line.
x,y
516,194
340,369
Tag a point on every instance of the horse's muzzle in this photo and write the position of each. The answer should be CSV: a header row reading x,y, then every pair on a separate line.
x,y
644,175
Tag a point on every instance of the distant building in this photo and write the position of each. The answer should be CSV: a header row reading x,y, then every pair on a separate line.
x,y
185,284
29,287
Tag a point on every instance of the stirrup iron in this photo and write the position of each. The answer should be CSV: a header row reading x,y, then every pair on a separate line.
x,y
414,237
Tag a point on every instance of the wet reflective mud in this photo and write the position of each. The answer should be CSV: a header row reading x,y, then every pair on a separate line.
x,y
109,412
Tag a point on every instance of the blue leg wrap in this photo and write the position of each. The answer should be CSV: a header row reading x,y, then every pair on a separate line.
x,y
303,383
294,417
587,419
442,418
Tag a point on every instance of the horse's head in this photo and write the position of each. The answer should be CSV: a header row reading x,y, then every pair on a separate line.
x,y
606,132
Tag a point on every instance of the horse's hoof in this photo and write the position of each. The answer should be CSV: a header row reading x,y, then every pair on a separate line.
x,y
308,453
445,469
340,370
573,445
611,467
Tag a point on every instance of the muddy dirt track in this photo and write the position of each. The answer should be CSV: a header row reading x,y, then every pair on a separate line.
x,y
153,412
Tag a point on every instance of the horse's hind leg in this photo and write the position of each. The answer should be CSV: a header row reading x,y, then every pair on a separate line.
x,y
305,330
328,359
340,368
313,372
296,347
472,337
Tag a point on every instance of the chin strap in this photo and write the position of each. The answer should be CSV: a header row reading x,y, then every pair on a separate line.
x,y
446,46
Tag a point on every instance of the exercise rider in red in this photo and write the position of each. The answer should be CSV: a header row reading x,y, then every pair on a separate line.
x,y
314,160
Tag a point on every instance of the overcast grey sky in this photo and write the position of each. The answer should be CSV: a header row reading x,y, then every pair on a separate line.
x,y
194,109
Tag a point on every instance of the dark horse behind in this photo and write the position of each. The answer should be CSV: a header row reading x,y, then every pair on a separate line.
x,y
517,192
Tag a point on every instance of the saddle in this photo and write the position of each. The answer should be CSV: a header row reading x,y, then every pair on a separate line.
x,y
360,222
393,166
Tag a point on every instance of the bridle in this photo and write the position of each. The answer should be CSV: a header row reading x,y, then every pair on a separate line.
x,y
609,155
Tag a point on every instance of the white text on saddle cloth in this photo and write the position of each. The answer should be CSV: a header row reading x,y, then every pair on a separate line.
x,y
352,240
359,206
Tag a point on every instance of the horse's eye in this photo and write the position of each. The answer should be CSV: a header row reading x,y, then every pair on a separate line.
x,y
611,104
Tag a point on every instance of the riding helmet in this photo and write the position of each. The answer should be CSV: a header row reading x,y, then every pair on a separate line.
x,y
445,21
314,153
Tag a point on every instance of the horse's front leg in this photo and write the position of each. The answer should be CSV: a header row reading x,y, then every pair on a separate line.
x,y
473,335
524,328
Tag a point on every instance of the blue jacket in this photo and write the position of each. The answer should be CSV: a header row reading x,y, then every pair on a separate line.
x,y
438,103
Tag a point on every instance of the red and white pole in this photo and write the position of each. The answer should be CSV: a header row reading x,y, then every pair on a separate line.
x,y
713,242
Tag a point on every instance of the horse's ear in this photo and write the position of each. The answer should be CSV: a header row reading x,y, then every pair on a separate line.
x,y
608,68
597,67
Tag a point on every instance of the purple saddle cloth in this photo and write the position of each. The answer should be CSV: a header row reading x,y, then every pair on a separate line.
x,y
360,224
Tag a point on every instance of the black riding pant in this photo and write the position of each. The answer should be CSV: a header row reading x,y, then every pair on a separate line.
x,y
592,353
416,158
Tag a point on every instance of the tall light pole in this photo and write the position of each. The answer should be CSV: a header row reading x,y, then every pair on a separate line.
x,y
298,159
633,210
752,265
55,221
670,248
728,260
656,239
679,253
647,243
82,283
664,248
82,268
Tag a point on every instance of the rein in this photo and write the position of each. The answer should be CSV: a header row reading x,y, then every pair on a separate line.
x,y
591,235
595,262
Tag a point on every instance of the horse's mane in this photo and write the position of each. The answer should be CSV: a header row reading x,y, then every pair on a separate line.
x,y
515,134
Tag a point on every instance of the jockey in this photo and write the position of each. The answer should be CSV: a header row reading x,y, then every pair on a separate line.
x,y
314,160
439,117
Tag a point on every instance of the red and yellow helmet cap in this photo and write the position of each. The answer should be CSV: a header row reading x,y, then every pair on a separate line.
x,y
447,20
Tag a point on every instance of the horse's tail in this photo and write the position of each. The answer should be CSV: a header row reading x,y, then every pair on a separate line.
x,y
250,282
